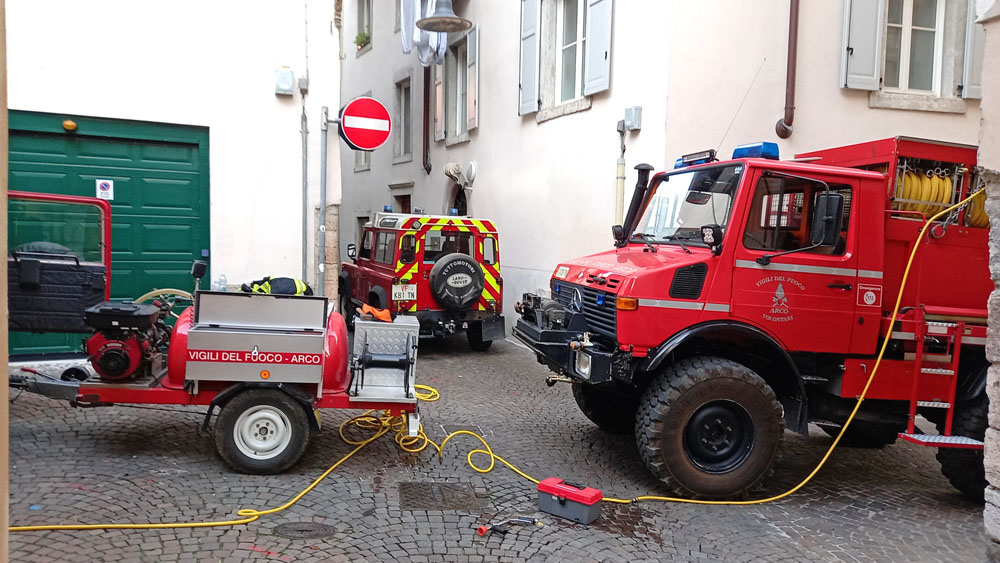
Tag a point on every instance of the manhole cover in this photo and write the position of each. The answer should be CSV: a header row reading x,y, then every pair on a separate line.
x,y
304,530
437,496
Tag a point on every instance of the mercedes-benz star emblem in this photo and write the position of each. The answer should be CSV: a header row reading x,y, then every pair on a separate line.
x,y
576,302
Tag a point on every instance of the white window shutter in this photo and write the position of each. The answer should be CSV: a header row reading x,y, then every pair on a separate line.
x,y
972,69
531,19
438,102
472,77
861,53
597,69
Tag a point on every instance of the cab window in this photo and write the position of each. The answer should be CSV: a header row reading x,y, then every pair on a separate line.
x,y
780,214
385,247
489,250
438,244
366,246
408,249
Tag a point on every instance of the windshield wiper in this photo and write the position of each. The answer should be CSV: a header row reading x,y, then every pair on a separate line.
x,y
677,239
645,238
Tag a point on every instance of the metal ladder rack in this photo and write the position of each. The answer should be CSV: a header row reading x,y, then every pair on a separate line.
x,y
951,333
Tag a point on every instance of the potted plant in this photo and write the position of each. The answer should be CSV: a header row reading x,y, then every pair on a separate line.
x,y
362,39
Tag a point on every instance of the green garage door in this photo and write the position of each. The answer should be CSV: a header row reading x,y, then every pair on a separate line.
x,y
160,208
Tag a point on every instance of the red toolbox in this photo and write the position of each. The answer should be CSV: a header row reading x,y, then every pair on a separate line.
x,y
568,500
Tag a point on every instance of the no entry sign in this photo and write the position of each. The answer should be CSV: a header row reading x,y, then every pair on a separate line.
x,y
364,124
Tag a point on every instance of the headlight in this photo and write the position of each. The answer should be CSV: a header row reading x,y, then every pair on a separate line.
x,y
583,364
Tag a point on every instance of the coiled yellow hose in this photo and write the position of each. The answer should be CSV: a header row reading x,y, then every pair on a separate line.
x,y
386,423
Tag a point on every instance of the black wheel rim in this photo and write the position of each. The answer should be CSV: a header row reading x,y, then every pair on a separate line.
x,y
719,436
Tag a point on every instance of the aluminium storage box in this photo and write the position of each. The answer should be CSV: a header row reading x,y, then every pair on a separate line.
x,y
570,501
256,337
382,383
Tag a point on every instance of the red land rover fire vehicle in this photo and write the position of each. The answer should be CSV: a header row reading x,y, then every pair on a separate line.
x,y
751,294
444,270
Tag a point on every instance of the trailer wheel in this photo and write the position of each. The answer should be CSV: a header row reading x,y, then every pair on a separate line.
x,y
864,434
964,467
708,427
610,412
261,432
475,335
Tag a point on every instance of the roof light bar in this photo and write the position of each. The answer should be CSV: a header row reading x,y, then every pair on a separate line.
x,y
699,157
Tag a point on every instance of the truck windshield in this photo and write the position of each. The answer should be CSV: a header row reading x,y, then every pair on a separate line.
x,y
685,201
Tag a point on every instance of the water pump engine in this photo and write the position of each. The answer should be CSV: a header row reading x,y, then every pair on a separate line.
x,y
128,339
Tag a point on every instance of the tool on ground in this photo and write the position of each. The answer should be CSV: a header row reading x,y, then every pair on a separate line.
x,y
504,527
578,503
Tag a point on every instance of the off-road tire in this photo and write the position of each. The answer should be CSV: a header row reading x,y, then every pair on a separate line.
x,y
444,280
270,405
964,467
611,412
346,307
475,336
864,434
740,407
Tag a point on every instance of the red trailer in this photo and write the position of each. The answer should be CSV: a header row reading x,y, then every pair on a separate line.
x,y
268,362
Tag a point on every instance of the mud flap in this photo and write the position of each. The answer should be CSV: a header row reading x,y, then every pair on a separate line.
x,y
493,329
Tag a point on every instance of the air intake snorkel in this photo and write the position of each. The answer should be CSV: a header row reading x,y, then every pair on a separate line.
x,y
621,232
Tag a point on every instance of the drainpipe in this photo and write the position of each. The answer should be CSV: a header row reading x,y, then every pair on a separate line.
x,y
427,117
304,127
784,126
322,201
620,177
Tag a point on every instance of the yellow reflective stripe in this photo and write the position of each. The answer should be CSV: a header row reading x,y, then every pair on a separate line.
x,y
300,287
479,225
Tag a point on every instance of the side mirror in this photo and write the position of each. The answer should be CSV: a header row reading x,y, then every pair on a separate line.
x,y
352,251
828,216
618,232
198,269
711,235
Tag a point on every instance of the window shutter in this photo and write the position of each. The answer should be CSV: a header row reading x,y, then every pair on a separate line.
x,y
472,77
597,70
527,97
972,69
861,55
438,102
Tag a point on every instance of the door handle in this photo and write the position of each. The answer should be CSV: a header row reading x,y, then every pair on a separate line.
x,y
844,286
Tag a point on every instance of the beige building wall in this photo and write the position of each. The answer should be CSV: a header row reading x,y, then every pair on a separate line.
x,y
549,186
737,55
209,64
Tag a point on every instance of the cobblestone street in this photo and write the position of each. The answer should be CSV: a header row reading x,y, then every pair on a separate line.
x,y
139,465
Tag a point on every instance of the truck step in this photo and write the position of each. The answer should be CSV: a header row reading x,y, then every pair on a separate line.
x,y
934,404
939,327
937,371
815,379
826,423
942,441
384,394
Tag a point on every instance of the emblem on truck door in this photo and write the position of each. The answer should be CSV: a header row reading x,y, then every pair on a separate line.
x,y
779,311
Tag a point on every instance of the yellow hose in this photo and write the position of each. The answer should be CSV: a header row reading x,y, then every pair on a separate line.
x,y
387,423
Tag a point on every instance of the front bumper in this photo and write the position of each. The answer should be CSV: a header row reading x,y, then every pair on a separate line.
x,y
552,345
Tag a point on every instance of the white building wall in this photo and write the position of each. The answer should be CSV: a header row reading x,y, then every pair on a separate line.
x,y
199,63
718,50
550,187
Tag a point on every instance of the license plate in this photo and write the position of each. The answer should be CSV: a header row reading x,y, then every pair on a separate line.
x,y
407,292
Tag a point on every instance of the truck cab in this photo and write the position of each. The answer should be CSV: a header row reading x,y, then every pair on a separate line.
x,y
444,270
751,295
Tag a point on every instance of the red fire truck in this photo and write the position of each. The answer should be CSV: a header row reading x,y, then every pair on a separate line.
x,y
751,295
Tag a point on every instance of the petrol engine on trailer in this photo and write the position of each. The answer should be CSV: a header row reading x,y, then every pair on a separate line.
x,y
128,339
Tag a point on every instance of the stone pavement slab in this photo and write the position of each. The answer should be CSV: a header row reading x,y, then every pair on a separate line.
x,y
137,465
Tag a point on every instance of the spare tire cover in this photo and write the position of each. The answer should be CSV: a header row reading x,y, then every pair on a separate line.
x,y
457,281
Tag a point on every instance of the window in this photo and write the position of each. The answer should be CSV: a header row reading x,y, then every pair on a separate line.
x,y
913,54
364,37
402,202
913,40
403,143
456,90
385,247
438,244
366,246
489,250
565,55
779,219
572,24
408,249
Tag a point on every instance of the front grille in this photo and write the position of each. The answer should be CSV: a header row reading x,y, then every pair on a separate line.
x,y
600,318
688,281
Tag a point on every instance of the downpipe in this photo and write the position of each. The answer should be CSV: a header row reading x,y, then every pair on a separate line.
x,y
784,126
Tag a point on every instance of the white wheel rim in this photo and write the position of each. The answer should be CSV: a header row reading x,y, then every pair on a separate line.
x,y
262,432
